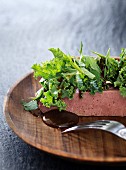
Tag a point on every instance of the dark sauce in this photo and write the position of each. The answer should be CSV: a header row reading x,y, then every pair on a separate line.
x,y
56,118
60,119
37,113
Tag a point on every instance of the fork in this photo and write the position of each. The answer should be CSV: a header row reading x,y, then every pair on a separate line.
x,y
111,126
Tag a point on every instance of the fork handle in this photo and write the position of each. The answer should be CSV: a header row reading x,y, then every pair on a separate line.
x,y
122,133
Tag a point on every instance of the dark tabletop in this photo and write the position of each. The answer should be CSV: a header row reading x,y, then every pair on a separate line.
x,y
27,29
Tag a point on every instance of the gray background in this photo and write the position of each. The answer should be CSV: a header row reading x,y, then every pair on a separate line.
x,y
27,29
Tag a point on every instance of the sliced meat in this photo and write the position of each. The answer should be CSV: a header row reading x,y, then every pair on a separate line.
x,y
108,103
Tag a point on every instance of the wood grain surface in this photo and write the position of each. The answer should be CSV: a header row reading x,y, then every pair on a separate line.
x,y
89,145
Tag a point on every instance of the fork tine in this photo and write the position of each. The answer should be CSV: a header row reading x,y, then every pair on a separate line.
x,y
107,125
77,128
95,123
74,128
103,122
82,127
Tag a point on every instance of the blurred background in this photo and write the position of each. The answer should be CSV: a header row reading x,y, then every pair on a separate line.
x,y
27,29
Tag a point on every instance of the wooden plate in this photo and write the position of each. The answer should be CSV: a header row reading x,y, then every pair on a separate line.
x,y
89,145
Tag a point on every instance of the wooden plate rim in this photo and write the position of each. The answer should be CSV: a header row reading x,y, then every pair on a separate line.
x,y
46,148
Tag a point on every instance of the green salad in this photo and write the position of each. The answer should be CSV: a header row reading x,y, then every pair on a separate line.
x,y
64,74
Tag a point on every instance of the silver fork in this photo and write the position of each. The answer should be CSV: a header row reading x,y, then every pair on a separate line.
x,y
111,126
